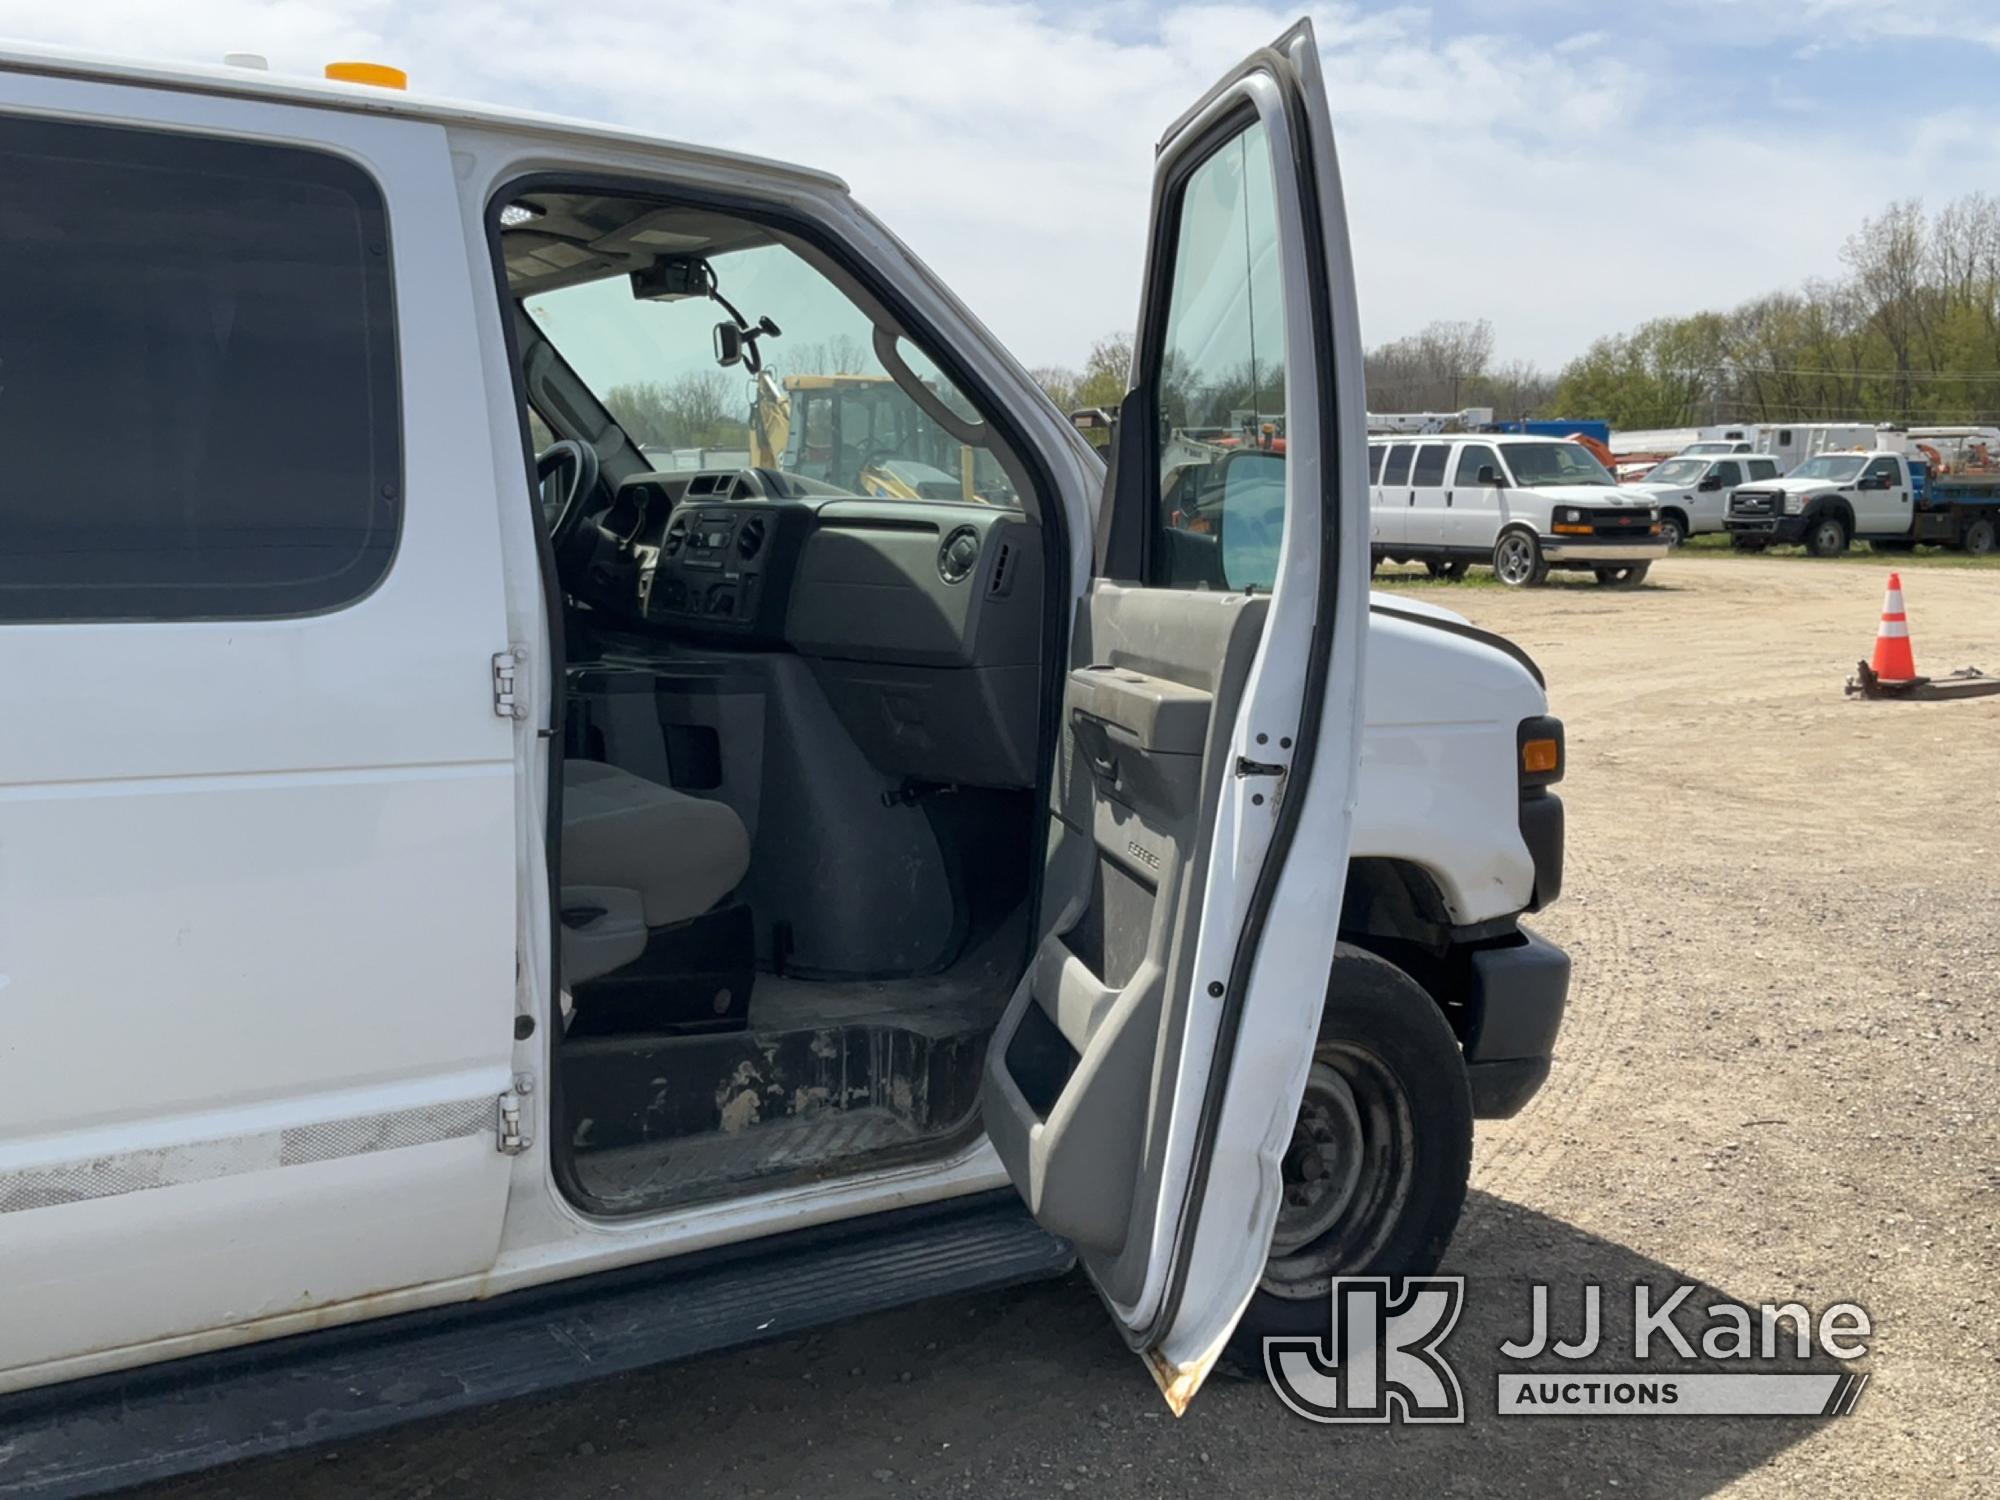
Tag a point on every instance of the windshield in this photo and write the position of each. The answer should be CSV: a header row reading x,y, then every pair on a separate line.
x,y
1677,471
1554,463
1838,467
825,409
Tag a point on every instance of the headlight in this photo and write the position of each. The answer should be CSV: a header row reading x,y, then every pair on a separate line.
x,y
1794,504
1572,520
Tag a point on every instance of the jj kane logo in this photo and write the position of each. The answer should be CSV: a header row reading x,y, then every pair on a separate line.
x,y
1383,1358
1382,1355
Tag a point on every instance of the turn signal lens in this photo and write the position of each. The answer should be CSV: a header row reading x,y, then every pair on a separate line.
x,y
381,75
1566,528
1540,757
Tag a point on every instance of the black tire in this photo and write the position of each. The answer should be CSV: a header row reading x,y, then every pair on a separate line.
x,y
1827,537
1628,577
1382,1039
1438,567
1673,529
1517,560
1982,537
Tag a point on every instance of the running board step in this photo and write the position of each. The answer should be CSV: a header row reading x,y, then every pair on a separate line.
x,y
91,1436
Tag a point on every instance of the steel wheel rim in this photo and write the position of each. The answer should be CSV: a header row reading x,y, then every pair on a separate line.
x,y
1671,530
1827,537
1357,1128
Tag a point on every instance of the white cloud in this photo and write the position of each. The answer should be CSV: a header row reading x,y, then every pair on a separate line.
x,y
1011,145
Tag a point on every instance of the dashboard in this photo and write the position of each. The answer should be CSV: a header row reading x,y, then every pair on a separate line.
x,y
922,619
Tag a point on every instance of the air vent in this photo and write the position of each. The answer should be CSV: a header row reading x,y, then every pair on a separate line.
x,y
676,537
1002,581
750,539
959,555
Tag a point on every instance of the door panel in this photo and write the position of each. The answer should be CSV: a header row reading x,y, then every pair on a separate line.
x,y
1150,1066
1393,496
1148,711
257,835
1475,507
1429,523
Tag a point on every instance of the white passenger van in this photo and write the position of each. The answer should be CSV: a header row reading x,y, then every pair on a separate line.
x,y
561,912
1524,505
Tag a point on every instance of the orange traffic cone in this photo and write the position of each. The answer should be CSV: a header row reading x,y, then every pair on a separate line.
x,y
1894,661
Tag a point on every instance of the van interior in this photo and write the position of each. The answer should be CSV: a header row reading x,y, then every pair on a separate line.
x,y
803,587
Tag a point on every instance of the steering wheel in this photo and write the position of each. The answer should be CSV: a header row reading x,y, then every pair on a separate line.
x,y
564,509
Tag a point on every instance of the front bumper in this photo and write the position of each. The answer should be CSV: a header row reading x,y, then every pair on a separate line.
x,y
1516,997
1782,530
1600,549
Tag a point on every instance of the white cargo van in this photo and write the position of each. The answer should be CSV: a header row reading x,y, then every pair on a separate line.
x,y
1524,505
563,913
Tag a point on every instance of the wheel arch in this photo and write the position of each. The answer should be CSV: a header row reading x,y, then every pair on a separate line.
x,y
1395,909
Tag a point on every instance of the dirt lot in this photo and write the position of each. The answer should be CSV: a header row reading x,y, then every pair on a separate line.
x,y
1777,1079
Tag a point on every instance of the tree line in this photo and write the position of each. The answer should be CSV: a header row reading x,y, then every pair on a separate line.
x,y
1909,332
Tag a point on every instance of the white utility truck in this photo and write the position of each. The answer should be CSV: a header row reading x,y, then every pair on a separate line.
x,y
478,919
1881,496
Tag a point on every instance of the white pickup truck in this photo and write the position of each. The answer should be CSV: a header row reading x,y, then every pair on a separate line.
x,y
1691,492
563,914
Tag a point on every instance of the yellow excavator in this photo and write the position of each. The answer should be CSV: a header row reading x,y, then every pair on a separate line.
x,y
859,433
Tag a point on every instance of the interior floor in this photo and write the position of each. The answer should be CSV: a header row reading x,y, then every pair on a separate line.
x,y
828,1077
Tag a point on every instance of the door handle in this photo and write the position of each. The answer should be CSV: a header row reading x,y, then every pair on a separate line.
x,y
1447,497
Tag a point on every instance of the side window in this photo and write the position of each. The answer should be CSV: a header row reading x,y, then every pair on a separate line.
x,y
1375,452
1219,380
1429,468
1730,475
1884,469
1396,468
1763,468
198,380
1471,459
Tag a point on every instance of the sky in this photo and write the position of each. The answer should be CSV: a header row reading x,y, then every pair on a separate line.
x,y
1563,168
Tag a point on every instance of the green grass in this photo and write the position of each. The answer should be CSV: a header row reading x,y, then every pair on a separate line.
x,y
1413,575
1860,552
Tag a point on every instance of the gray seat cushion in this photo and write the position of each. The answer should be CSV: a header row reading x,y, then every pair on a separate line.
x,y
682,854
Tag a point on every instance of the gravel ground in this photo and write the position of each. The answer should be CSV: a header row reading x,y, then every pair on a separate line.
x,y
1776,1080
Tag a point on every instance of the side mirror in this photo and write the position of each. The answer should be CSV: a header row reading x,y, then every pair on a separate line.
x,y
1487,475
1710,482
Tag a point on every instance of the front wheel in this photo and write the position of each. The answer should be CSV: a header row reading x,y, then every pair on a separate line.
x,y
1628,577
1673,530
1517,561
1374,1179
1827,537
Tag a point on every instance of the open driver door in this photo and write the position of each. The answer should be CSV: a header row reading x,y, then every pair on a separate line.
x,y
1146,1075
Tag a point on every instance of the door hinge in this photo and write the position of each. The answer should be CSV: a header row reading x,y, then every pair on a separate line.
x,y
511,1141
505,665
1245,766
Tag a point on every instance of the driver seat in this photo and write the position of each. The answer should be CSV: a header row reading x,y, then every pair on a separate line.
x,y
637,856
